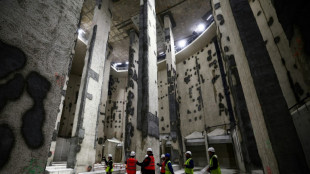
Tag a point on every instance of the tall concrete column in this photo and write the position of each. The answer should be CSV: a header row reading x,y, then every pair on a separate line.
x,y
82,146
277,141
101,111
131,132
175,132
147,120
37,40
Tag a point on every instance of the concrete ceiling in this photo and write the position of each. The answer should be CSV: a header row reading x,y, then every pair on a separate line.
x,y
186,13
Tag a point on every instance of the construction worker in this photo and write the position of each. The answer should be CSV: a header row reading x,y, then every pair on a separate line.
x,y
168,166
141,164
214,165
109,164
148,163
131,163
162,165
189,163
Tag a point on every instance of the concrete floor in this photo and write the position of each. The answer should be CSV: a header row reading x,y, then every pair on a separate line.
x,y
60,168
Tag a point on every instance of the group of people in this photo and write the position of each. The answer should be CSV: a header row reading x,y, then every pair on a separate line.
x,y
148,164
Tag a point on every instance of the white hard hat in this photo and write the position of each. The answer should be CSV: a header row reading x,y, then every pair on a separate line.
x,y
163,156
110,155
146,156
132,153
211,149
189,152
149,150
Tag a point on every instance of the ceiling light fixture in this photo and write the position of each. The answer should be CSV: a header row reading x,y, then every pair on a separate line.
x,y
116,64
209,17
81,31
182,43
200,28
81,34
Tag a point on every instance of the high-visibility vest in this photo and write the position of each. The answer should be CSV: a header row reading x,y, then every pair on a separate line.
x,y
151,166
217,170
162,170
108,168
167,171
131,165
188,170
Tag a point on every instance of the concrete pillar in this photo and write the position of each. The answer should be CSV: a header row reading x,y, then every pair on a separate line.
x,y
101,112
34,46
147,120
55,134
82,147
175,132
271,121
206,144
248,144
286,59
131,132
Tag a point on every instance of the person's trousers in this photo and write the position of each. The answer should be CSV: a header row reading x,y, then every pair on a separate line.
x,y
149,171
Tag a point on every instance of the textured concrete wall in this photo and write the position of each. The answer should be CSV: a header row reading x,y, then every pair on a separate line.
x,y
201,92
243,133
261,87
147,117
302,124
174,115
295,25
83,143
37,39
228,29
115,110
103,104
163,102
288,60
80,50
62,149
131,132
69,104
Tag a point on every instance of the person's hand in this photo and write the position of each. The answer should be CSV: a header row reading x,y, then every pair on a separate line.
x,y
208,170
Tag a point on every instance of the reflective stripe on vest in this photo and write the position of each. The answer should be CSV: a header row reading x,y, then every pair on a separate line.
x,y
162,170
151,166
188,170
167,171
217,170
131,165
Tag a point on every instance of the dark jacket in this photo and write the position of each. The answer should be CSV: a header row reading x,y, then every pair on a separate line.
x,y
215,163
191,164
108,163
169,166
146,162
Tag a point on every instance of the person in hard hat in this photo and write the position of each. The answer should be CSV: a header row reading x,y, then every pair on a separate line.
x,y
148,163
109,164
189,163
168,165
141,164
214,166
131,163
162,165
